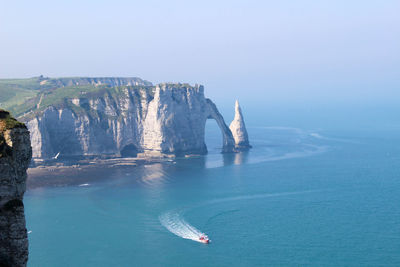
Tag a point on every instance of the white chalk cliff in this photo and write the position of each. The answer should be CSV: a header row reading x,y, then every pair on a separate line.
x,y
153,121
238,129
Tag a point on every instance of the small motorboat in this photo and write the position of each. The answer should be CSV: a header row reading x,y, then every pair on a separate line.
x,y
204,239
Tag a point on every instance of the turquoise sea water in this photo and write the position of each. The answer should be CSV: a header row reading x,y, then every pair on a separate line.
x,y
300,197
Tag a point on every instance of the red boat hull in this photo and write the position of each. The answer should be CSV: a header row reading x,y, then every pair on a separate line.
x,y
204,239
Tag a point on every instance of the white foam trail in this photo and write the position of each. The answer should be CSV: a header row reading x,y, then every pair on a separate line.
x,y
84,184
321,137
291,155
316,135
29,232
280,128
311,151
177,225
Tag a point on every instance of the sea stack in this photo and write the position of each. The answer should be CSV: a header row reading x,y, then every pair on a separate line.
x,y
15,156
238,129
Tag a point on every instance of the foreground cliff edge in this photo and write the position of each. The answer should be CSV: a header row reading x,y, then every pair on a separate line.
x,y
15,156
126,117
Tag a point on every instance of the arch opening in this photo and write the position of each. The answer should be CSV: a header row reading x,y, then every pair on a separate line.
x,y
214,139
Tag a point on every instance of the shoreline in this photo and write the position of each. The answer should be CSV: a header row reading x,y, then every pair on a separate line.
x,y
78,172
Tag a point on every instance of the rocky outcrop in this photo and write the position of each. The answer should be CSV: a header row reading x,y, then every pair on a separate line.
x,y
238,129
176,119
15,155
167,119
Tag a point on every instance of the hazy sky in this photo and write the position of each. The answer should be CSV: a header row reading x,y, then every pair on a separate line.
x,y
274,51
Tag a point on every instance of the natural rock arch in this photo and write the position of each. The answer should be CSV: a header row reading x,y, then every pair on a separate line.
x,y
168,119
228,143
175,122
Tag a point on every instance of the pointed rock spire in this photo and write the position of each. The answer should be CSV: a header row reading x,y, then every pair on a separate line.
x,y
238,129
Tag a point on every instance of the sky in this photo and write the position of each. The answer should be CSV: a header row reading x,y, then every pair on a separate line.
x,y
271,52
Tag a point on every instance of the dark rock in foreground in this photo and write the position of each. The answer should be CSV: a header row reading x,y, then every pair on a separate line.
x,y
15,156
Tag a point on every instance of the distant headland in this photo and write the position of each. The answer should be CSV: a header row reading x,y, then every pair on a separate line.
x,y
128,117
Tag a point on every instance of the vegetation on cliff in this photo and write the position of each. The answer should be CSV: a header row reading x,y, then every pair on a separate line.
x,y
6,123
26,98
22,96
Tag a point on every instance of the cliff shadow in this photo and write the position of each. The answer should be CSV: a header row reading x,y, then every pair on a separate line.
x,y
129,151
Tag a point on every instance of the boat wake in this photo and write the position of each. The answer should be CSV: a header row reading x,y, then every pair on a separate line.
x,y
175,223
174,220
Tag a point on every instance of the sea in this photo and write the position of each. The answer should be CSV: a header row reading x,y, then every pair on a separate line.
x,y
316,189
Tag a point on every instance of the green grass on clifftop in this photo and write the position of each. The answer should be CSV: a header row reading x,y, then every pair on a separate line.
x,y
16,91
7,122
25,98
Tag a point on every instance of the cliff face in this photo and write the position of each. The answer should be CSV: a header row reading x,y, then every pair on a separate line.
x,y
164,119
15,155
90,124
176,119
